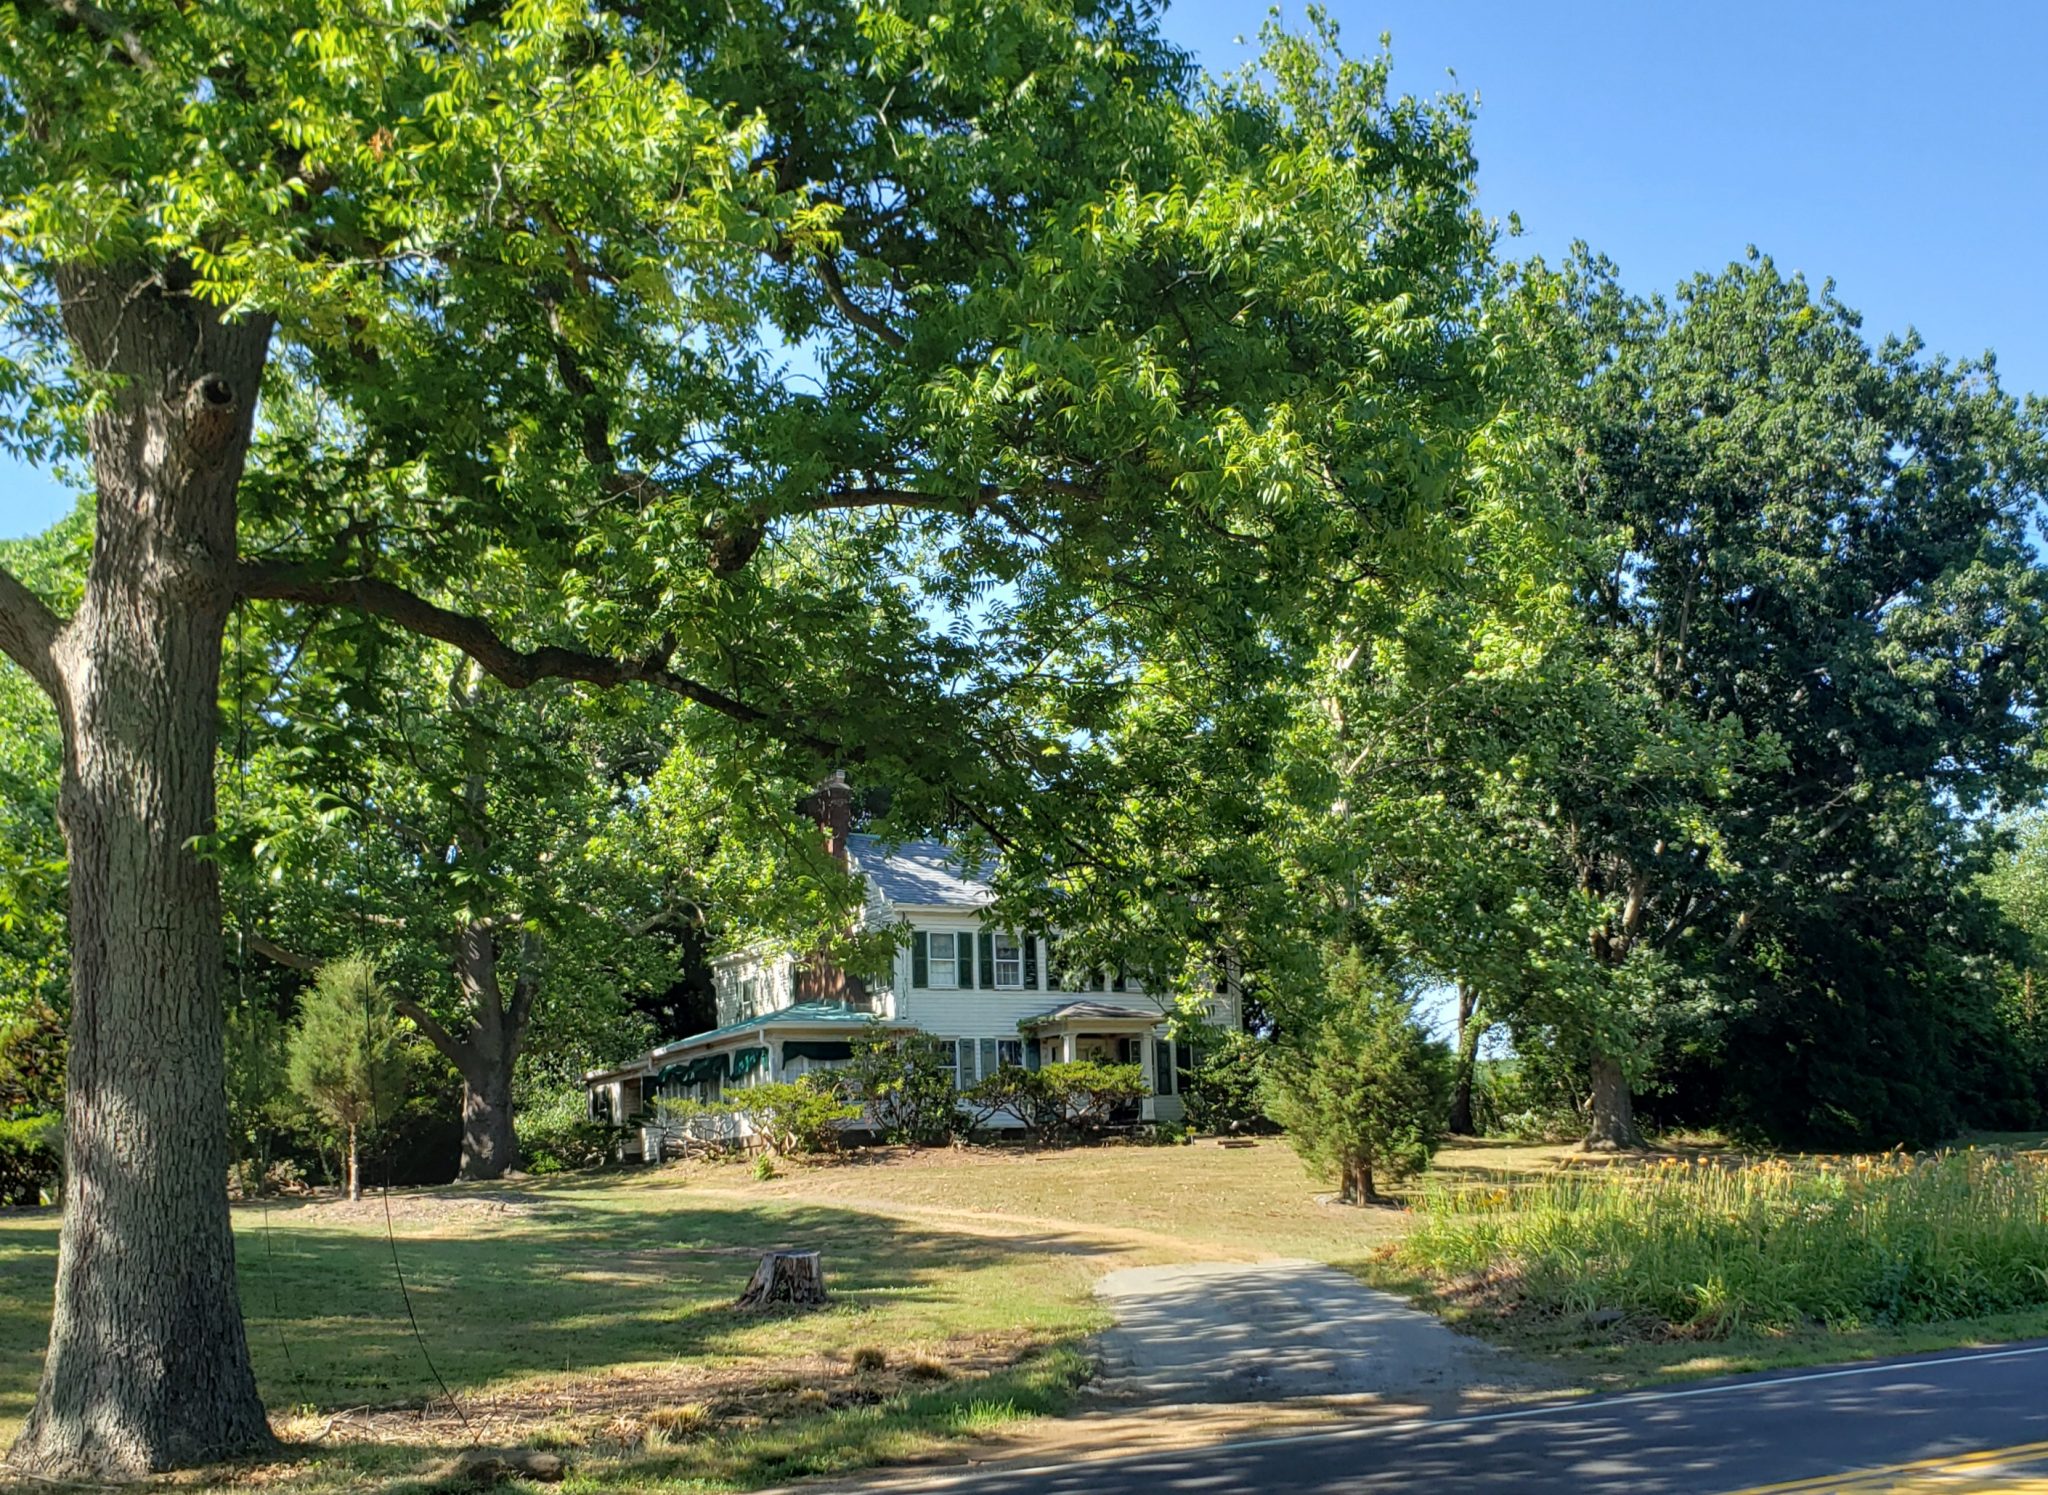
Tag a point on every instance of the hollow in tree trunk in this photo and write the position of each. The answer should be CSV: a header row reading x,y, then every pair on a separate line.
x,y
148,1367
1610,1112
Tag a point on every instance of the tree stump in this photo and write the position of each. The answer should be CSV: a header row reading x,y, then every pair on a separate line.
x,y
786,1277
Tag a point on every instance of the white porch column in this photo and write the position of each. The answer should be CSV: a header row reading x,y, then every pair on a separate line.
x,y
1067,1047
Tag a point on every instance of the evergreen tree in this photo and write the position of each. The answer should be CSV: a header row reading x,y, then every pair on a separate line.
x,y
345,1059
1363,1095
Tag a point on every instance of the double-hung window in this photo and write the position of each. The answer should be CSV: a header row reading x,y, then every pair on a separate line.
x,y
944,962
1009,951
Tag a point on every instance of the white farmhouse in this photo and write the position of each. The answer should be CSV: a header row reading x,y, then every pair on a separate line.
x,y
990,996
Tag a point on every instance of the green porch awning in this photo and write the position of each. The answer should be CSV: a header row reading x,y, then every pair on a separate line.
x,y
816,1048
694,1071
746,1061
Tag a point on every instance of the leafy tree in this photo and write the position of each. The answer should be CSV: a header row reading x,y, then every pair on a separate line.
x,y
1819,571
1089,350
344,1059
1224,1093
2017,883
35,966
1363,1096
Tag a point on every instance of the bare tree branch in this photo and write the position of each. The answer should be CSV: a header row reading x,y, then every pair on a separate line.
x,y
518,668
28,632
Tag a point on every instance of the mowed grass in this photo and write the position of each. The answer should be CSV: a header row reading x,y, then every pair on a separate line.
x,y
1705,1265
1173,1203
595,1316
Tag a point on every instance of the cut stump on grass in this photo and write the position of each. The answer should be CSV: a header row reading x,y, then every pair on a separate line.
x,y
794,1277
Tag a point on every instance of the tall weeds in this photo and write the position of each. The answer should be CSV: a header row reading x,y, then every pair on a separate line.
x,y
1713,1248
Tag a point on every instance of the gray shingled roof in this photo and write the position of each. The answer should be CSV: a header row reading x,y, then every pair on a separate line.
x,y
927,873
1096,1012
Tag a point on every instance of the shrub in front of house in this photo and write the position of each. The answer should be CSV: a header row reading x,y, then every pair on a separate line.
x,y
801,1116
905,1082
1012,1092
557,1133
1089,1097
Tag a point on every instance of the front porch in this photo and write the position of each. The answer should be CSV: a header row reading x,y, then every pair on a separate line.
x,y
1106,1033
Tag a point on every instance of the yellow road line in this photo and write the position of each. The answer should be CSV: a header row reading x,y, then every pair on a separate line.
x,y
1924,1475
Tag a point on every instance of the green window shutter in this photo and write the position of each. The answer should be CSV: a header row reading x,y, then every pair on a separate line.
x,y
988,961
1118,984
1032,1058
1162,1067
1055,974
920,959
1031,962
990,1060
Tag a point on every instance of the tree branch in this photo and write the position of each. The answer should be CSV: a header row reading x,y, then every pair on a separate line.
x,y
868,321
28,632
453,1049
108,28
272,951
518,668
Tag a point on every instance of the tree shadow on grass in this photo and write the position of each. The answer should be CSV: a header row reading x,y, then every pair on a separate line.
x,y
517,1287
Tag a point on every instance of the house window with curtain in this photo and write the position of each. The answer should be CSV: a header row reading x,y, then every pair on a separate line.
x,y
1009,962
944,961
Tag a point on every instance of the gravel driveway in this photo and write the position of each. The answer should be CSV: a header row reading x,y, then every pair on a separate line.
x,y
1238,1332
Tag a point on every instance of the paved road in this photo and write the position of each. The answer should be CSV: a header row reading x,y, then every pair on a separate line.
x,y
1237,1331
1805,1431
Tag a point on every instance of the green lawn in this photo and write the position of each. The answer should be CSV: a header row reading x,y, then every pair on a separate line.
x,y
595,1315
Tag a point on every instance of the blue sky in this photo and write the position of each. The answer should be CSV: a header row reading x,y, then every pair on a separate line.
x,y
1902,150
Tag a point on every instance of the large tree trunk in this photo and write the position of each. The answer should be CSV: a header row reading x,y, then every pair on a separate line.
x,y
485,1054
355,1169
148,1368
490,1147
1459,1123
1610,1113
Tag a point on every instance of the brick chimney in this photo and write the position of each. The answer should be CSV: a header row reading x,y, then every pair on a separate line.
x,y
832,807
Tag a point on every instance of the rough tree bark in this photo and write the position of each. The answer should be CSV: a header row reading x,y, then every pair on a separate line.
x,y
355,1168
1469,1030
1610,1111
148,1367
485,1054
